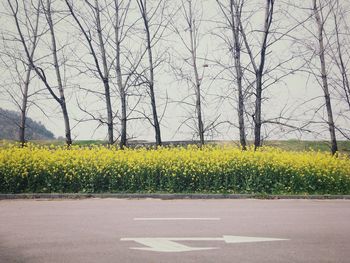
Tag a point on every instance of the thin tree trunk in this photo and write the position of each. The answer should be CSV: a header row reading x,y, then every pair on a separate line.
x,y
259,73
123,139
120,79
199,114
22,126
331,126
257,114
235,18
58,75
151,79
192,33
106,76
151,87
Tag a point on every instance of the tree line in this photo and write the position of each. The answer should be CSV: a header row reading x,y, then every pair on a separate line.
x,y
121,44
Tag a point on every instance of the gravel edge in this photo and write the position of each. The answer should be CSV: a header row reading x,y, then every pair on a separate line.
x,y
163,196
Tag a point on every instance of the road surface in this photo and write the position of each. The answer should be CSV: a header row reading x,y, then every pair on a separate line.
x,y
149,230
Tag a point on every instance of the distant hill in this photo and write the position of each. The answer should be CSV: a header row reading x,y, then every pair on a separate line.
x,y
9,121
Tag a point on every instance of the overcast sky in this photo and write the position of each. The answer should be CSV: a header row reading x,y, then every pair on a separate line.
x,y
296,96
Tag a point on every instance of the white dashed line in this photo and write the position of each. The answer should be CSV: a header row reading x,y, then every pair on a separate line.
x,y
176,218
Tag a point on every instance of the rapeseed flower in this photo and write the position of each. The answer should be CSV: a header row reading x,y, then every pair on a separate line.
x,y
224,169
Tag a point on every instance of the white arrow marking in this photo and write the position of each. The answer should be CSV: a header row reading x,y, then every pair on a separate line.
x,y
168,244
163,245
243,239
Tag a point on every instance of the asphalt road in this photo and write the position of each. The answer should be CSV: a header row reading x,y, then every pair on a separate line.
x,y
117,230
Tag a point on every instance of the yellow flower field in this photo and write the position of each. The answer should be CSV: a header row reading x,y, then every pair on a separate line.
x,y
213,169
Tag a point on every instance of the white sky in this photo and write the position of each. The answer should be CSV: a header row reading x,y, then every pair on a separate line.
x,y
288,95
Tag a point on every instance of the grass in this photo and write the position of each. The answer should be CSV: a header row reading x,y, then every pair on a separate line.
x,y
288,145
297,145
57,142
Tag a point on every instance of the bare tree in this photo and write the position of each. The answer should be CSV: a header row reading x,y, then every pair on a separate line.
x,y
193,33
27,81
121,31
147,16
338,55
23,78
118,27
60,99
233,16
259,67
322,46
110,39
99,55
321,54
189,34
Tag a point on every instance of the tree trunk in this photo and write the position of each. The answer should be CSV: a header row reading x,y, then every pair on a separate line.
x,y
259,73
151,87
22,125
155,116
257,114
58,75
199,114
66,121
235,18
192,28
109,111
151,79
331,126
106,76
123,139
121,87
